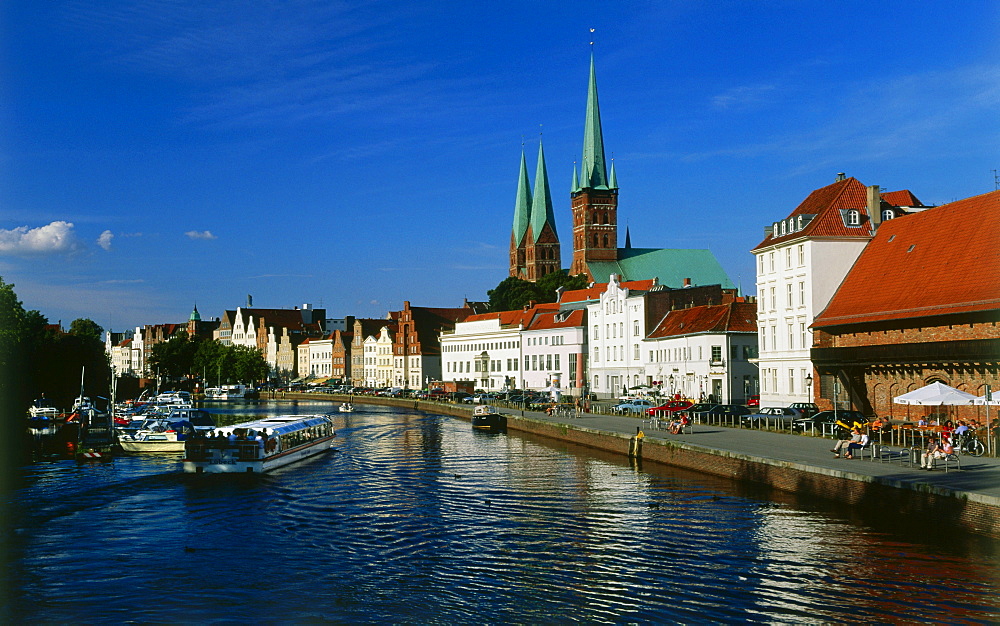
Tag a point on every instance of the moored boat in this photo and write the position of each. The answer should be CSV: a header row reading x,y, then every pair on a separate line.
x,y
486,417
159,434
346,407
259,446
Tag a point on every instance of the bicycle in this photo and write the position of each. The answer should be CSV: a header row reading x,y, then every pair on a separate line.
x,y
969,444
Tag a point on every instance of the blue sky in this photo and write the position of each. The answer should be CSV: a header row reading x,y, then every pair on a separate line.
x,y
161,153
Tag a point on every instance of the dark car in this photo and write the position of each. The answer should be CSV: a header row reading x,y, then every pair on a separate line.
x,y
701,407
726,412
772,416
846,419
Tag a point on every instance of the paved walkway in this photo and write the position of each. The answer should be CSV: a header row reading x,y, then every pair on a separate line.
x,y
979,478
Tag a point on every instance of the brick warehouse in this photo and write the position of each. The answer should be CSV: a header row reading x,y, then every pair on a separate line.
x,y
920,305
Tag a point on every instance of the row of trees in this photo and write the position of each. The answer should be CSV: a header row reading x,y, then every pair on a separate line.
x,y
197,357
37,358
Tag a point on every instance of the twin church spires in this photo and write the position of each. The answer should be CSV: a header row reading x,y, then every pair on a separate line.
x,y
534,244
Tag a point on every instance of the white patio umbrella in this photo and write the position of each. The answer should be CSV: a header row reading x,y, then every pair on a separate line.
x,y
981,400
935,394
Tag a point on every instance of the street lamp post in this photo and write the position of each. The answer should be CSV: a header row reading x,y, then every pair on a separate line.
x,y
809,385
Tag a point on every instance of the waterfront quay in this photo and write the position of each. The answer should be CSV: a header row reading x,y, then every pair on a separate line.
x,y
968,497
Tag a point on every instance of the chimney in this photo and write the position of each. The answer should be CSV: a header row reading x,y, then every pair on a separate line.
x,y
768,231
874,206
687,282
841,176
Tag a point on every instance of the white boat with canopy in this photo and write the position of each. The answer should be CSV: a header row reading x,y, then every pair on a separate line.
x,y
258,446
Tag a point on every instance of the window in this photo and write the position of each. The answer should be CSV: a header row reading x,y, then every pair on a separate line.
x,y
597,354
788,258
760,264
791,338
716,354
770,258
853,217
788,295
804,337
802,293
527,362
774,339
635,354
802,254
635,328
596,333
548,362
774,300
791,381
887,214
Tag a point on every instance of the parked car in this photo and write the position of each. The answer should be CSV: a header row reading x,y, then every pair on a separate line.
x,y
701,407
772,415
671,406
807,408
723,410
847,420
631,407
753,401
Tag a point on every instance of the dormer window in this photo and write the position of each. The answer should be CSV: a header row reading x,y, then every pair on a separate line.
x,y
776,229
799,227
853,217
782,228
888,214
791,225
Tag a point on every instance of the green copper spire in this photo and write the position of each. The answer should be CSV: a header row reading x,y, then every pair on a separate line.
x,y
522,205
541,203
575,187
613,183
195,316
593,172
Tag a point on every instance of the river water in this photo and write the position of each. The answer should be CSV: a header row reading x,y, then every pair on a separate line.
x,y
416,518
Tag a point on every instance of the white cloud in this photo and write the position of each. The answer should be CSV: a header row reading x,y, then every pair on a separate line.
x,y
57,236
105,239
200,234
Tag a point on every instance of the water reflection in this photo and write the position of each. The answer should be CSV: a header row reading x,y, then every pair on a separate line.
x,y
418,518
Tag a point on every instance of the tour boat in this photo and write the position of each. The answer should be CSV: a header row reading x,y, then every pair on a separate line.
x,y
346,407
230,392
258,446
486,417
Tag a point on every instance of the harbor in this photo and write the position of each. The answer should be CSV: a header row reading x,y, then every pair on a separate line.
x,y
415,515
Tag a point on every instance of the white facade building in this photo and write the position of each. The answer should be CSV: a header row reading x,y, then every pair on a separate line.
x,y
704,353
554,347
800,265
485,349
616,329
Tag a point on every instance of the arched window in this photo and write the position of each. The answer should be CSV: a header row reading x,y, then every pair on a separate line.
x,y
853,217
595,219
606,241
605,217
888,214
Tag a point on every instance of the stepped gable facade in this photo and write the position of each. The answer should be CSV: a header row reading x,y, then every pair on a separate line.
x,y
921,304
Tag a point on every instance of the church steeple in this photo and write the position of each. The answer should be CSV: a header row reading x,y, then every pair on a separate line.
x,y
522,219
522,203
594,197
541,202
594,174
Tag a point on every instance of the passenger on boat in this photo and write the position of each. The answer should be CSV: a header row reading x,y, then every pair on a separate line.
x,y
232,438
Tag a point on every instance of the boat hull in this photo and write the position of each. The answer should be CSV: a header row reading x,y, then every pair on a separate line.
x,y
227,461
492,421
152,446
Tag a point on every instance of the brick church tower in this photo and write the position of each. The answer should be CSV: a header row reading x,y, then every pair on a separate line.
x,y
594,196
534,243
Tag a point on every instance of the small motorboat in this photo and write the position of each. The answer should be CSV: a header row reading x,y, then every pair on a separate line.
x,y
346,407
157,435
486,417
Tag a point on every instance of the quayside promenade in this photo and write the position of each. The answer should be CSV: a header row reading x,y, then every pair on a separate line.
x,y
969,497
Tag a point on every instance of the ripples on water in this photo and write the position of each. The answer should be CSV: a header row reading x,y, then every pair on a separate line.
x,y
418,519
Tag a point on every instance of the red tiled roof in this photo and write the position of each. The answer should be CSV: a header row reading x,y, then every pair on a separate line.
x,y
546,320
940,261
594,291
740,317
827,203
901,198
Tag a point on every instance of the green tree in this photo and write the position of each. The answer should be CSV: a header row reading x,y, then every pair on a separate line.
x,y
88,328
249,366
514,293
173,358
